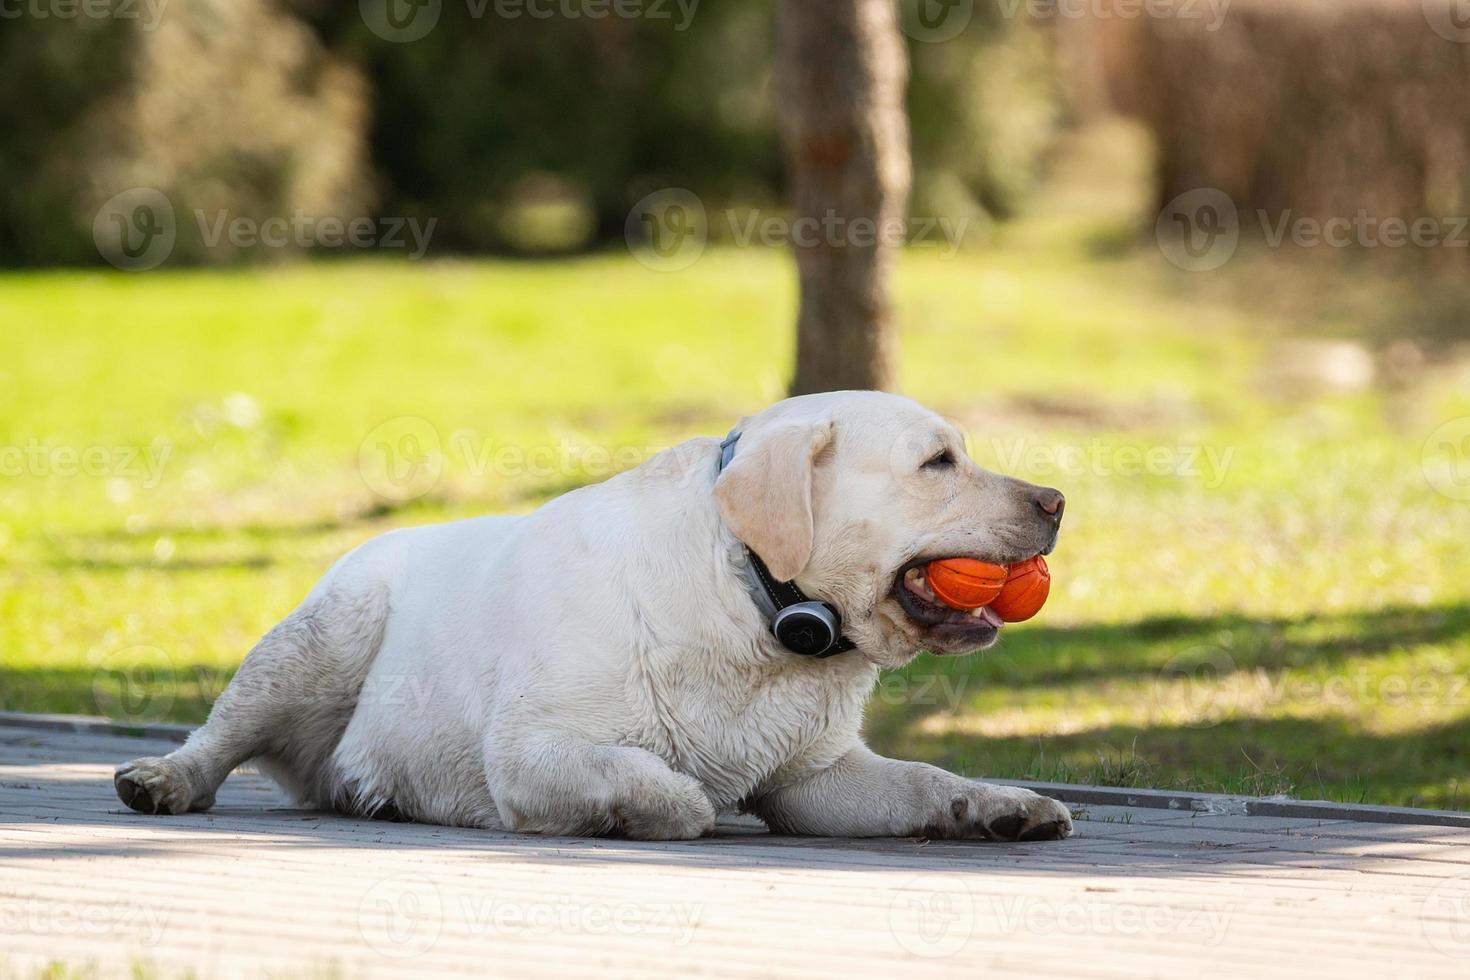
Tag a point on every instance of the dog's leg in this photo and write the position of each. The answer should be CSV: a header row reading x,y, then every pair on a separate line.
x,y
289,703
564,785
865,795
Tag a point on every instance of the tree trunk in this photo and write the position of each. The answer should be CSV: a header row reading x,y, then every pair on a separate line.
x,y
840,71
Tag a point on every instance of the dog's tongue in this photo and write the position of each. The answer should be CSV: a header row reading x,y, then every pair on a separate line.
x,y
990,616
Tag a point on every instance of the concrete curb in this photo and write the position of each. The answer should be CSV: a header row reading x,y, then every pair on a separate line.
x,y
86,725
1220,804
1204,804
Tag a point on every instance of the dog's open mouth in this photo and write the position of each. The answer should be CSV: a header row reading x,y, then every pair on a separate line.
x,y
976,628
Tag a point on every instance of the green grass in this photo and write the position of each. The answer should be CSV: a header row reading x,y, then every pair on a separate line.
x,y
1282,603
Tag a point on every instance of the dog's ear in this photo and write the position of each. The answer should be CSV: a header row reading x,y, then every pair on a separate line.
x,y
765,494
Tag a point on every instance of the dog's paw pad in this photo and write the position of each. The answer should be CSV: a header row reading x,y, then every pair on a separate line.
x,y
1052,830
153,786
1007,827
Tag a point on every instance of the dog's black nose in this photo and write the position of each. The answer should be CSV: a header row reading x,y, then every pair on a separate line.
x,y
1050,501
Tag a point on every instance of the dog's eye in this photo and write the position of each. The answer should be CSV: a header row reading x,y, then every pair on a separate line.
x,y
940,461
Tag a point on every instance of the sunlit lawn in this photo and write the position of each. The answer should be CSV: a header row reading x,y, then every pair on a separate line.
x,y
1257,589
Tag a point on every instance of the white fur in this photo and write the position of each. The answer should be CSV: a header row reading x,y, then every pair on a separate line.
x,y
599,666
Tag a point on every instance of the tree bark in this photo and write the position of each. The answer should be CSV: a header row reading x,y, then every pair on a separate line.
x,y
841,70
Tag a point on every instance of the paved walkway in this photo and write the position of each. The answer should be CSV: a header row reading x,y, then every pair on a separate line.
x,y
254,887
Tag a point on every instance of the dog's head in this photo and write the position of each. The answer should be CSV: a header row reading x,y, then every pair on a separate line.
x,y
844,493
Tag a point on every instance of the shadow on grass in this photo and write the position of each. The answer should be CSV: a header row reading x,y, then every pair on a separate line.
x,y
129,693
1043,656
176,565
1311,758
374,513
1331,756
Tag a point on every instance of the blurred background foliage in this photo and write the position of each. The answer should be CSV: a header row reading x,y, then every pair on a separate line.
x,y
520,135
536,135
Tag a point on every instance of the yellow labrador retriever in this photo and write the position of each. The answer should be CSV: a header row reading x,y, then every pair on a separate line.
x,y
696,635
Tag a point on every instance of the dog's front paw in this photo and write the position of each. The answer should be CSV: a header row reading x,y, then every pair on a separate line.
x,y
678,810
1002,813
158,786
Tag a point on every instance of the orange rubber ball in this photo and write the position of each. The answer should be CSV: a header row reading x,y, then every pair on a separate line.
x,y
1026,588
964,583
